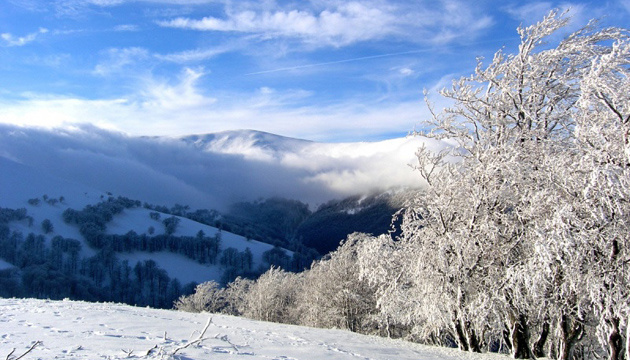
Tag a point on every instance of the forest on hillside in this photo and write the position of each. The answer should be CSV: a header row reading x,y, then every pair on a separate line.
x,y
58,269
45,264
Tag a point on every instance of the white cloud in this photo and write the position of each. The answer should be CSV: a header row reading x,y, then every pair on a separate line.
x,y
457,20
530,12
157,107
184,96
126,27
83,4
406,71
54,61
348,24
195,55
180,107
116,60
105,2
12,40
342,23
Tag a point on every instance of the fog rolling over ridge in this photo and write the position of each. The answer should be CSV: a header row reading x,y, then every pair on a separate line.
x,y
213,170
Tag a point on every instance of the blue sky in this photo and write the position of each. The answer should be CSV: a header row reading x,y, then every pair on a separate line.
x,y
325,70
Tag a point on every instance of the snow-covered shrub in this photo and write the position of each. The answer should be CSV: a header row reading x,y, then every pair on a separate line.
x,y
334,296
208,296
272,297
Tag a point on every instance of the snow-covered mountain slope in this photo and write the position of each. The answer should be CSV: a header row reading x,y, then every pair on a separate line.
x,y
78,330
343,168
249,143
19,183
214,170
178,266
85,165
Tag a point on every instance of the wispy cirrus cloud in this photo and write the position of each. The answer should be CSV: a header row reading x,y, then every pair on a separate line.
x,y
533,12
126,27
12,40
74,7
337,23
196,55
342,26
118,59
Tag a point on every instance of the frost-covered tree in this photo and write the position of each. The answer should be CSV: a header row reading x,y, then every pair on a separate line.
x,y
272,297
170,225
594,222
334,295
523,224
208,296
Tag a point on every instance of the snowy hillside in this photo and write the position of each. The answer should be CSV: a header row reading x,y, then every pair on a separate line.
x,y
213,170
249,143
78,330
25,183
152,264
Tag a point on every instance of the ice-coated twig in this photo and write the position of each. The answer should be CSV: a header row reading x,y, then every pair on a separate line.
x,y
11,353
150,351
10,357
227,340
128,352
199,339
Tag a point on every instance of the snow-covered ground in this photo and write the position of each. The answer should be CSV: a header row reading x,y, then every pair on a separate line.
x,y
80,330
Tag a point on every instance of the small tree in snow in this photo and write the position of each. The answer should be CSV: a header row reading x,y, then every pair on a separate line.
x,y
208,297
272,297
170,225
47,226
334,295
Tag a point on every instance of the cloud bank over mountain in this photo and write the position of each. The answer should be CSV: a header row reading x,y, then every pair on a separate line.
x,y
213,170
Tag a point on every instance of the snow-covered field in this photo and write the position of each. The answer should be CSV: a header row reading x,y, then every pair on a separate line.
x,y
80,330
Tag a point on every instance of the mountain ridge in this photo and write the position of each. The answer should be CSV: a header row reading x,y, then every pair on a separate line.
x,y
216,169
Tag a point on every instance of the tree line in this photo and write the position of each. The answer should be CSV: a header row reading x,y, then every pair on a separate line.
x,y
58,271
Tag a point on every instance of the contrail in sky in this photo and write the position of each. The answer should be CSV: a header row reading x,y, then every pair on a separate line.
x,y
368,57
337,62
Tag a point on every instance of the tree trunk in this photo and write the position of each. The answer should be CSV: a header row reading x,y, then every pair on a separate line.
x,y
462,343
570,332
519,336
539,346
506,337
614,339
473,340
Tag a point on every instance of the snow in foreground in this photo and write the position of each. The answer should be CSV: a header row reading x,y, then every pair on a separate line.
x,y
80,330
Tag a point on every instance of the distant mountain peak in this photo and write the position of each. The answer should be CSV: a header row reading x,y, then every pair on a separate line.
x,y
246,142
